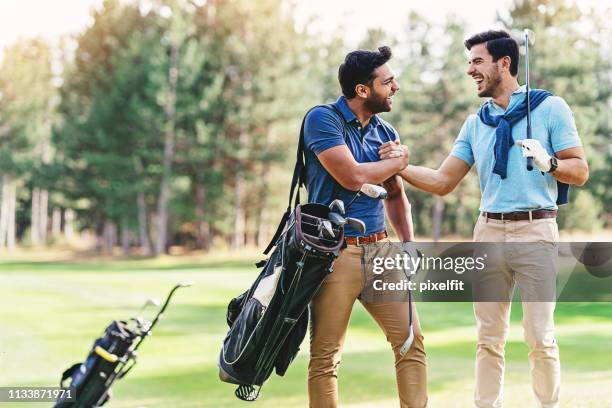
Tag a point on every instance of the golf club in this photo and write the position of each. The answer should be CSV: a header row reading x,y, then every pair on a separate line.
x,y
326,230
529,38
372,191
150,302
337,204
357,224
337,219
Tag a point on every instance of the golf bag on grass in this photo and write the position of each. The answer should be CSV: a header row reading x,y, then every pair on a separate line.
x,y
89,379
112,356
269,321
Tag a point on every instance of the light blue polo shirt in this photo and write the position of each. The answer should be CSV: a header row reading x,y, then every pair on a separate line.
x,y
552,123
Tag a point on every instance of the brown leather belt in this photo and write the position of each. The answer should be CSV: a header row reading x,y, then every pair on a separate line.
x,y
521,215
370,239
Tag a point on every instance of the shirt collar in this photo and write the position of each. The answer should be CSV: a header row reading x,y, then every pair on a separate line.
x,y
513,97
348,114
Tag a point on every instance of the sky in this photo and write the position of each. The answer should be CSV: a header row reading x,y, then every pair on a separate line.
x,y
52,19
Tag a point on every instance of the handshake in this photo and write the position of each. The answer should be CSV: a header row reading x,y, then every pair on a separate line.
x,y
394,150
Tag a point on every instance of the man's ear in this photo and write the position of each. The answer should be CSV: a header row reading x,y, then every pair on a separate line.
x,y
362,91
505,63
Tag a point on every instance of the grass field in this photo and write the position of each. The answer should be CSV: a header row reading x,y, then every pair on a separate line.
x,y
50,313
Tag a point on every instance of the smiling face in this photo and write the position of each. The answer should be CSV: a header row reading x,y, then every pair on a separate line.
x,y
381,90
486,74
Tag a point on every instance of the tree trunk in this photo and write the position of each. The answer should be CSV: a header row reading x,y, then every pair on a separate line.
x,y
110,236
35,227
56,223
12,206
8,203
239,195
69,224
437,218
44,215
164,193
202,226
143,224
262,225
125,237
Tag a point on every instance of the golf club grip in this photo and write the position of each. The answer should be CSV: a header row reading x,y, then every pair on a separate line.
x,y
530,163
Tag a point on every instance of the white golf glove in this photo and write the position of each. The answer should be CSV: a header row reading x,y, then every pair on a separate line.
x,y
533,148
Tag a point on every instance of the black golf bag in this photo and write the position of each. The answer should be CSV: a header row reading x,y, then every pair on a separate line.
x,y
269,321
88,380
112,356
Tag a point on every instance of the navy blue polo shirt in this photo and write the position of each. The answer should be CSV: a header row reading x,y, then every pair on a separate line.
x,y
324,129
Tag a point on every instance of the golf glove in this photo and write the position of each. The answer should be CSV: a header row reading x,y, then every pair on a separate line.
x,y
533,148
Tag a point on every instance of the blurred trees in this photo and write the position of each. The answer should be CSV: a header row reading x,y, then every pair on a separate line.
x,y
176,121
27,98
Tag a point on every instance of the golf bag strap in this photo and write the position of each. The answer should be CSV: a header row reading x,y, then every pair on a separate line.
x,y
299,176
68,373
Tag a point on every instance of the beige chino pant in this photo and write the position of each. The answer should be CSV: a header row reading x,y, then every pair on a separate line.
x,y
538,324
331,310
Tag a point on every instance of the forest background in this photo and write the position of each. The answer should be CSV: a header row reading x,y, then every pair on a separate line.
x,y
171,125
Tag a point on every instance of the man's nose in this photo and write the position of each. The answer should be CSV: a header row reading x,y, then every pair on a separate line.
x,y
470,70
395,87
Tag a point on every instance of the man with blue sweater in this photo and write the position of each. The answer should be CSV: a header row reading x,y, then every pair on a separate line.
x,y
517,205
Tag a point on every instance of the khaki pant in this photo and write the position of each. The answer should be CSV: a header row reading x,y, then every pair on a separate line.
x,y
538,324
331,310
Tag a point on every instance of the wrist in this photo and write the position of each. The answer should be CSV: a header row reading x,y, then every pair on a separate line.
x,y
552,165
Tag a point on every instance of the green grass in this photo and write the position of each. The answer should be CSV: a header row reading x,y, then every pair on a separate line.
x,y
50,313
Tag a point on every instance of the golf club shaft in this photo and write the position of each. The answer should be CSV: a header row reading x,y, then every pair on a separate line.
x,y
529,159
159,314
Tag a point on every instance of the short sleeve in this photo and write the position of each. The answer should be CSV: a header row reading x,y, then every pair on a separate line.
x,y
322,130
463,147
561,125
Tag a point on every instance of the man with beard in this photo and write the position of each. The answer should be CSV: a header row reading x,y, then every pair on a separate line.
x,y
342,142
517,205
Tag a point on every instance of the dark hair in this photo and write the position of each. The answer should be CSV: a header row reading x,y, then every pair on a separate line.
x,y
499,44
358,68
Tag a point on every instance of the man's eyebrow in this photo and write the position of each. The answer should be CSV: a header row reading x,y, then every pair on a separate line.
x,y
391,78
475,59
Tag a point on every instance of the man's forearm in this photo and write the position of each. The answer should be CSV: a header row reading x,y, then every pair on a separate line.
x,y
572,171
425,179
375,172
400,217
398,209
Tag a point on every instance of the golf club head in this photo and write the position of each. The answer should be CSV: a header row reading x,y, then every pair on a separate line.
x,y
529,36
337,219
357,225
374,191
338,204
326,228
150,302
523,37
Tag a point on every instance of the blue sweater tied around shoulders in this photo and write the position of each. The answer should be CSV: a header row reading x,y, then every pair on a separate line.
x,y
503,134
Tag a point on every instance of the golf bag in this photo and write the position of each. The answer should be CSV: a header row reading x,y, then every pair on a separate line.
x,y
269,321
88,379
111,357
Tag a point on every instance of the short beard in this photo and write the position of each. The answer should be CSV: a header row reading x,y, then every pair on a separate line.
x,y
377,105
494,81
